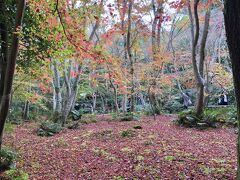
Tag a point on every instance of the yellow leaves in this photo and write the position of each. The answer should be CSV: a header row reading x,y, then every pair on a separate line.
x,y
222,77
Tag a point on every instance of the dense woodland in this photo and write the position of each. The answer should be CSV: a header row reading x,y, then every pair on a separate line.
x,y
121,89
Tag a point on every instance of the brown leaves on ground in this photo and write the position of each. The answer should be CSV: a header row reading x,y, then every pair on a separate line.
x,y
160,150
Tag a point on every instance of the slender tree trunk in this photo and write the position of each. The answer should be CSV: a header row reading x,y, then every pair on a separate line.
x,y
94,101
207,96
156,27
74,100
124,103
98,20
142,99
10,68
103,104
116,101
200,85
25,115
57,95
115,96
130,53
232,25
122,12
198,70
151,102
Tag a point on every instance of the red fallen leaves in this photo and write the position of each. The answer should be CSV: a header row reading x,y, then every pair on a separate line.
x,y
160,149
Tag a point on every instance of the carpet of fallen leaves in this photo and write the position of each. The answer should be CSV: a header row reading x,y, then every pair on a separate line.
x,y
160,150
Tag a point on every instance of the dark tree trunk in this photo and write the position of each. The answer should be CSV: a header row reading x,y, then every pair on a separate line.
x,y
232,25
25,114
10,68
115,96
4,46
103,104
156,27
94,102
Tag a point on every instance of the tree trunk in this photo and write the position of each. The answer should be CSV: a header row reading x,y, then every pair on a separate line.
x,y
142,99
151,102
10,68
71,89
156,28
124,103
122,12
115,96
98,20
94,101
57,95
198,70
103,104
232,25
200,94
130,53
4,46
25,114
207,96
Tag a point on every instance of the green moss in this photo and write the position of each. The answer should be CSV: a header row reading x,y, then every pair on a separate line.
x,y
169,158
9,128
127,133
14,174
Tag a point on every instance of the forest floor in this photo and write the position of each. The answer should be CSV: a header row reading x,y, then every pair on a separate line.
x,y
115,150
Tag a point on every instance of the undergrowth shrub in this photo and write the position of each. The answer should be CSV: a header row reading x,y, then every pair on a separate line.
x,y
221,115
49,129
150,110
212,117
172,106
187,118
129,116
7,159
14,116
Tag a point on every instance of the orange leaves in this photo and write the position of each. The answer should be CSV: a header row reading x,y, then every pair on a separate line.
x,y
44,83
52,21
178,4
161,58
34,98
